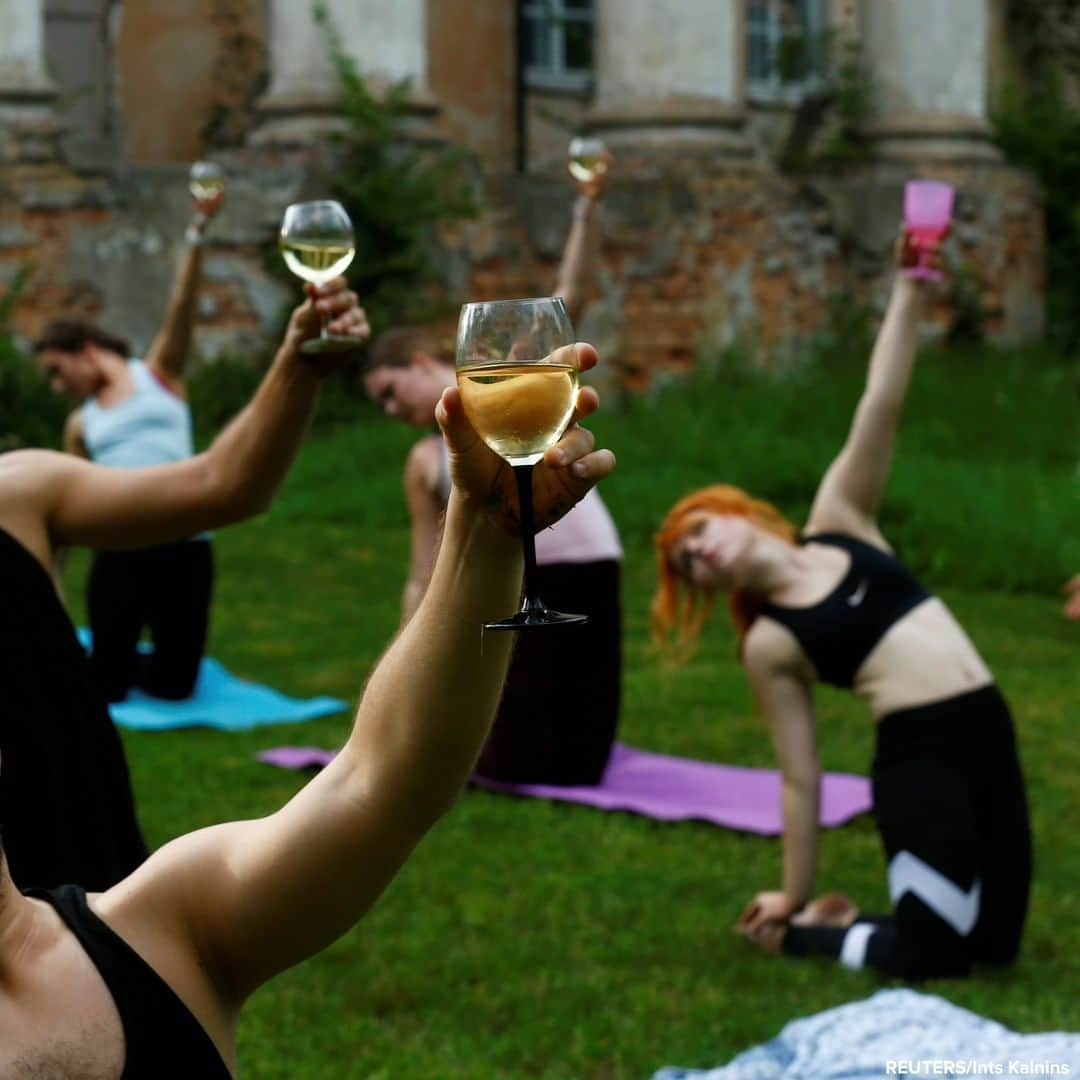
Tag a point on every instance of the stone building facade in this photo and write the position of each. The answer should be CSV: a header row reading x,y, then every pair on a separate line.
x,y
727,219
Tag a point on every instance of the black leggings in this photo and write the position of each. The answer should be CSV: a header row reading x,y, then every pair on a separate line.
x,y
167,589
560,708
951,808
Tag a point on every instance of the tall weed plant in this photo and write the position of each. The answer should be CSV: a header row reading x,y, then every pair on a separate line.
x,y
30,413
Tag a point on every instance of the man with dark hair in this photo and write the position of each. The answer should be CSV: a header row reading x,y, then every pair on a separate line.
x,y
65,798
148,978
135,413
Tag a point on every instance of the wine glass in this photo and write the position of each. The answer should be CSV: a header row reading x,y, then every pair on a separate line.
x,y
928,208
586,158
205,180
518,378
317,243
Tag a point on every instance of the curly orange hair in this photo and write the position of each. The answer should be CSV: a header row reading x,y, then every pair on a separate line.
x,y
676,626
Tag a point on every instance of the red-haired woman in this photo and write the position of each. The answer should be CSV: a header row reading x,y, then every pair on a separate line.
x,y
833,604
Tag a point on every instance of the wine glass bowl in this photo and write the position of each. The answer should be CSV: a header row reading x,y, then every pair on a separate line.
x,y
928,206
518,379
317,244
586,158
206,180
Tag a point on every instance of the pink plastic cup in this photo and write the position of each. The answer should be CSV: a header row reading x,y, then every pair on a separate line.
x,y
928,206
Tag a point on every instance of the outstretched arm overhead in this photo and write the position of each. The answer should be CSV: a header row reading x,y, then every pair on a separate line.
x,y
575,271
847,499
169,351
256,897
50,499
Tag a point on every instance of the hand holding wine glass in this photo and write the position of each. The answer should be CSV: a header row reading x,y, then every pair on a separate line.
x,y
517,391
318,245
588,161
332,306
206,182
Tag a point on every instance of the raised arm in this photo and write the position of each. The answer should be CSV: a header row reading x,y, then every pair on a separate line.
x,y
850,492
169,351
425,520
259,896
51,499
576,269
785,700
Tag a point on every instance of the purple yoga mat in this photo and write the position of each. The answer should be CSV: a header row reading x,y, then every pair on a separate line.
x,y
664,787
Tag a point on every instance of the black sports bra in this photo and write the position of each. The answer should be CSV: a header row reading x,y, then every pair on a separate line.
x,y
161,1036
839,632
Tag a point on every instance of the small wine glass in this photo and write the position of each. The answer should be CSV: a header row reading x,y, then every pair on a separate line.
x,y
317,243
928,206
205,180
586,158
518,378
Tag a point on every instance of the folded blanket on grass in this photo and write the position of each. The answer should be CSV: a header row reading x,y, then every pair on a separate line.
x,y
897,1033
221,700
664,787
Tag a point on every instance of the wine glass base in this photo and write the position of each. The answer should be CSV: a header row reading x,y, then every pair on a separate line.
x,y
534,620
330,344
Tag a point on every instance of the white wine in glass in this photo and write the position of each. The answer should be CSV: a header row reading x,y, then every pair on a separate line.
x,y
518,379
519,410
205,180
317,244
586,159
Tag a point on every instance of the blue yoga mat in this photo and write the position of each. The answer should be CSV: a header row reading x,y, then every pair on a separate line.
x,y
221,700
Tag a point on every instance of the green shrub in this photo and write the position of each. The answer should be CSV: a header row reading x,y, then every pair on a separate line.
x,y
30,413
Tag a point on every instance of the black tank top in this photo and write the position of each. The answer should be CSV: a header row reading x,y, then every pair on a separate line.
x,y
839,632
161,1037
66,806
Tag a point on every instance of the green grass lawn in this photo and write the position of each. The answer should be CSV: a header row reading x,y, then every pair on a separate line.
x,y
528,939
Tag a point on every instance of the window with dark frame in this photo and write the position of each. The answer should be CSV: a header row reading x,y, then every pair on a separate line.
x,y
558,42
786,48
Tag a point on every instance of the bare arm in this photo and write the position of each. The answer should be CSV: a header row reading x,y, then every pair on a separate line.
x,y
785,699
255,897
56,499
168,353
425,517
852,488
575,272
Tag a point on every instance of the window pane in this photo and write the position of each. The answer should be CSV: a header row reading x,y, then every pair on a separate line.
x,y
758,58
578,45
537,43
577,5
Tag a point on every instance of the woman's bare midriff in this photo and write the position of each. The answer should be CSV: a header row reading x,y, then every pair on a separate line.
x,y
923,658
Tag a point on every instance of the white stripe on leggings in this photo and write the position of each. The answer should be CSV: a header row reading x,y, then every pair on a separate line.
x,y
853,951
908,873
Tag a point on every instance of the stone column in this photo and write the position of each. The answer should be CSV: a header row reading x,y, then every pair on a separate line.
x,y
670,73
928,64
386,39
28,123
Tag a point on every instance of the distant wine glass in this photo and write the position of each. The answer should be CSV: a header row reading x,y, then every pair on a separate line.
x,y
206,180
587,158
928,206
518,378
317,244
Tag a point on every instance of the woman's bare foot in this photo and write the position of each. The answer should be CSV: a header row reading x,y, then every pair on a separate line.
x,y
832,909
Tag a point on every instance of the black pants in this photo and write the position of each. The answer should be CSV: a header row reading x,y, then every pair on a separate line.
x,y
167,589
560,708
951,808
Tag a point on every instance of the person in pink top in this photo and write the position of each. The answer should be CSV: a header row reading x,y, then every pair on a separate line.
x,y
560,710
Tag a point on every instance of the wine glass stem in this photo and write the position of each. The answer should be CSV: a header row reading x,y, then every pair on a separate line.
x,y
523,474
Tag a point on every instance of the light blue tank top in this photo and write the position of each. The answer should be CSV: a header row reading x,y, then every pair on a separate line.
x,y
152,427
